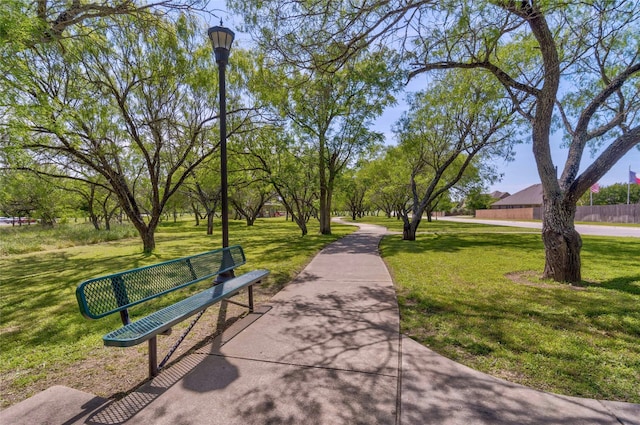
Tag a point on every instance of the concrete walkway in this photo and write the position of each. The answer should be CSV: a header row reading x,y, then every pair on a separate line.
x,y
326,350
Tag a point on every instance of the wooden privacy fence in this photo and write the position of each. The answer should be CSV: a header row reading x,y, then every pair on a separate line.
x,y
598,213
610,213
507,214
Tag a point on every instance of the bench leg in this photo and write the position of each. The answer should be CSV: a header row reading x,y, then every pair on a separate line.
x,y
250,298
153,357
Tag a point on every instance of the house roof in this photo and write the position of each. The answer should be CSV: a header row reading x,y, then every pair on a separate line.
x,y
499,195
529,196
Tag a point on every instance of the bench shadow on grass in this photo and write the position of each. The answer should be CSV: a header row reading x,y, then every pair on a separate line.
x,y
122,410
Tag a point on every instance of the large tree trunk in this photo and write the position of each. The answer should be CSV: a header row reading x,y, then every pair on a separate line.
x,y
325,214
561,241
300,222
148,240
94,220
410,227
210,222
326,230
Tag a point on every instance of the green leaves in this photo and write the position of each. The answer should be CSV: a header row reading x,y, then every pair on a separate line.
x,y
130,102
449,136
18,26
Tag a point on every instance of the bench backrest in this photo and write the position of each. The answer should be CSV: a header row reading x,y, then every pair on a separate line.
x,y
105,295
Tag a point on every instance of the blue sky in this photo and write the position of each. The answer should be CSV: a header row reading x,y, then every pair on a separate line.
x,y
517,175
522,172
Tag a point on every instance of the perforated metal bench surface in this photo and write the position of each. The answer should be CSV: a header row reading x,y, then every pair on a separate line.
x,y
110,294
162,320
105,295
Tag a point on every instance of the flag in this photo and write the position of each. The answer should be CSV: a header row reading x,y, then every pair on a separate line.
x,y
595,188
633,178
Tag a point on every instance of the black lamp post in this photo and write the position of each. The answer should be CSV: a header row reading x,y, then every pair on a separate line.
x,y
222,38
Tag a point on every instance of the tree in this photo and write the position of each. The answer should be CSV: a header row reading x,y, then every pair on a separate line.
x,y
26,23
447,138
351,191
288,166
130,104
96,200
532,48
612,195
331,112
26,194
476,200
572,63
387,188
325,35
204,189
249,198
14,200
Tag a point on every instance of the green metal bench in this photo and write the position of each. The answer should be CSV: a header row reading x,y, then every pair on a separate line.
x,y
102,296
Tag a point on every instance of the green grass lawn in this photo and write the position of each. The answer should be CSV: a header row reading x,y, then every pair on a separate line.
x,y
41,330
468,291
471,293
442,226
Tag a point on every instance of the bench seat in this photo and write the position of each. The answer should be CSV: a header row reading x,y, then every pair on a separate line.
x,y
147,327
118,292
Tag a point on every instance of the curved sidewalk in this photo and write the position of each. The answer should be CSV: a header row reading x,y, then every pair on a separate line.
x,y
327,350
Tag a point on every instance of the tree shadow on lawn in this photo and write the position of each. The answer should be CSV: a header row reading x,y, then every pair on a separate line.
x,y
574,351
451,243
39,303
627,284
606,251
191,227
597,247
38,289
614,247
279,250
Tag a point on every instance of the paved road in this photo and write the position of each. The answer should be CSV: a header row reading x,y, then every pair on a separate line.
x,y
583,229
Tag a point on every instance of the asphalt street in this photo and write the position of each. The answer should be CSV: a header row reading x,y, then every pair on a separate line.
x,y
583,229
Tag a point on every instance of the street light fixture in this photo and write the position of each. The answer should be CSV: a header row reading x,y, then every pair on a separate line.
x,y
221,39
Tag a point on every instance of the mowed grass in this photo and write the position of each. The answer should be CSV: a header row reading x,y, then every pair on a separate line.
x,y
42,332
443,226
473,293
